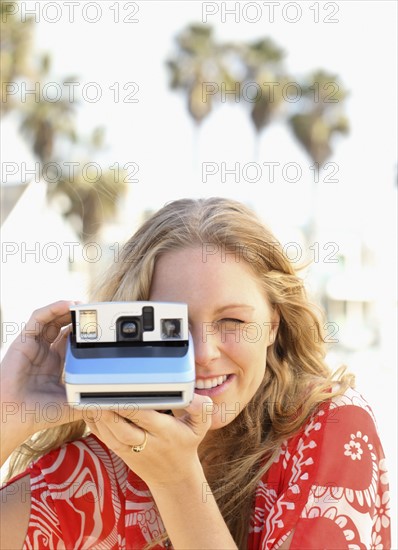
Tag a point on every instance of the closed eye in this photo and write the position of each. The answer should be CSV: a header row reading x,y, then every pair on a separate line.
x,y
230,324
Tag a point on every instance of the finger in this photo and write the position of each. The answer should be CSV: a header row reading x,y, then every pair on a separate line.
x,y
147,419
56,315
196,405
57,412
91,424
199,413
59,344
63,333
118,434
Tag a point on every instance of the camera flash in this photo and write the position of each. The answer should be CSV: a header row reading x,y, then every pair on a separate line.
x,y
88,324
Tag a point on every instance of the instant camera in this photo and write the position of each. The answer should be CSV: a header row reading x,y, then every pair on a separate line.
x,y
130,353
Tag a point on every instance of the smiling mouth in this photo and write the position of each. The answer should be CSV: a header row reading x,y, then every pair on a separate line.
x,y
210,383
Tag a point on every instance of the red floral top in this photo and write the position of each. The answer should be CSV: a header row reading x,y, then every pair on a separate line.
x,y
328,485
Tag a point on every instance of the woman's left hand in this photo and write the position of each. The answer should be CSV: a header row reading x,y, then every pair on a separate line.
x,y
171,443
169,464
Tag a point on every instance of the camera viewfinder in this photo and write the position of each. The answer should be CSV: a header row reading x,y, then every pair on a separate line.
x,y
171,328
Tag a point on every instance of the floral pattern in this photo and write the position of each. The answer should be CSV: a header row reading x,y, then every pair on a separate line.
x,y
330,484
353,448
327,488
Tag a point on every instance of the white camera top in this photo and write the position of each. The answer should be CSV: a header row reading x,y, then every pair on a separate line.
x,y
129,322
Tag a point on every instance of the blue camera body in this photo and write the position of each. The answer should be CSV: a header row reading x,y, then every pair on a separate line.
x,y
130,354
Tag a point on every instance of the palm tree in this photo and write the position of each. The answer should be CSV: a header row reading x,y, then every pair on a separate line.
x,y
319,120
49,127
45,121
264,75
90,199
321,117
200,61
15,46
256,69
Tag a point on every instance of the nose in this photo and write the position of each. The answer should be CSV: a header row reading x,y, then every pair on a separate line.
x,y
205,341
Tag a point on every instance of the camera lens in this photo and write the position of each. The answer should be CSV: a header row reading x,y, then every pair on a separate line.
x,y
129,329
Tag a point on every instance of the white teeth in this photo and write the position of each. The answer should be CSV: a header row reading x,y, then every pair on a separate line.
x,y
209,383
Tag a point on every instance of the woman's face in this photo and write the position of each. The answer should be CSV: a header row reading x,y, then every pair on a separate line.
x,y
231,322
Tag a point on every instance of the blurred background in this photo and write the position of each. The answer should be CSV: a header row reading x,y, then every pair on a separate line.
x,y
111,109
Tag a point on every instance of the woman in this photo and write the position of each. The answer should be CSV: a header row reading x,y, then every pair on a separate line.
x,y
273,451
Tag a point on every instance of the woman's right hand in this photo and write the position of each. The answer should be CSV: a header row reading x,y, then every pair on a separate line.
x,y
32,391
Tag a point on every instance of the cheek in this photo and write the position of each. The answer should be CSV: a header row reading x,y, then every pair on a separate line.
x,y
252,334
250,355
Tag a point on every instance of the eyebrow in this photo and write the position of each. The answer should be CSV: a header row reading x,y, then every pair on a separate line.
x,y
234,306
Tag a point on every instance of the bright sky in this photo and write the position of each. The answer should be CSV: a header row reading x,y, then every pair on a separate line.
x,y
358,43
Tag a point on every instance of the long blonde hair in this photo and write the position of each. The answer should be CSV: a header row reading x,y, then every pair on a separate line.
x,y
296,378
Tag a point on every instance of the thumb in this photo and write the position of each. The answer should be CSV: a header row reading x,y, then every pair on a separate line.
x,y
200,412
60,342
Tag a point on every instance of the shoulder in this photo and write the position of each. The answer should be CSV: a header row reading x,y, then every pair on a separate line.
x,y
348,430
329,482
350,403
337,460
350,452
341,432
337,453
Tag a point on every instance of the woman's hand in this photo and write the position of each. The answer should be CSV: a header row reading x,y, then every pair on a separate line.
x,y
171,444
32,392
170,466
